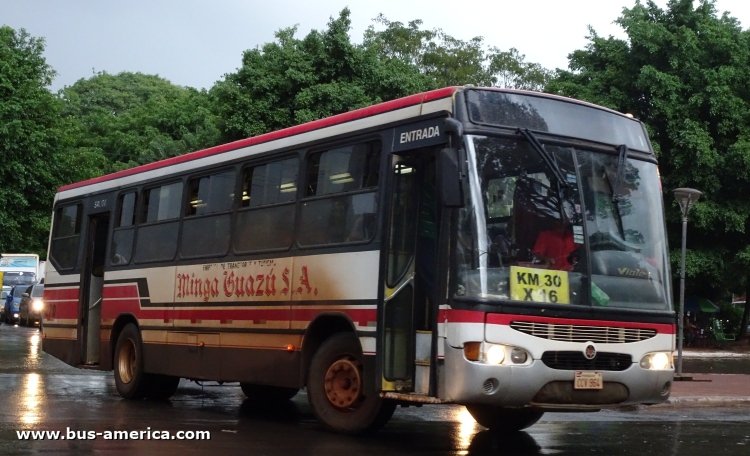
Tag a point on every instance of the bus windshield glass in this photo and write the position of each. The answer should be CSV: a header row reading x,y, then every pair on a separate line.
x,y
577,227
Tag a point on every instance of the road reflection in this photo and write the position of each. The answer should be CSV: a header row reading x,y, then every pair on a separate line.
x,y
33,357
467,427
32,398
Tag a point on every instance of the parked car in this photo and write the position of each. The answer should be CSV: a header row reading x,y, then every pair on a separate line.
x,y
12,304
32,305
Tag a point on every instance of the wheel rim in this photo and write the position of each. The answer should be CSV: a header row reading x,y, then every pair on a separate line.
x,y
126,361
343,383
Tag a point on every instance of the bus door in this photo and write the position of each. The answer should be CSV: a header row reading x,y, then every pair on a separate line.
x,y
409,281
92,285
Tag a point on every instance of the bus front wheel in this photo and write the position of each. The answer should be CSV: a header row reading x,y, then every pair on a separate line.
x,y
506,420
336,388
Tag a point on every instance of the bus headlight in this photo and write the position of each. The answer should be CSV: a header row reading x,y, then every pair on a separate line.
x,y
37,305
657,361
494,354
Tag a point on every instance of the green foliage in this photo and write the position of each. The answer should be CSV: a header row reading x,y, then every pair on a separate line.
x,y
446,60
132,118
509,69
296,80
684,71
29,142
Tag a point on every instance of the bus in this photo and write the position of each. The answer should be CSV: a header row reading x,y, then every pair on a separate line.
x,y
381,257
18,269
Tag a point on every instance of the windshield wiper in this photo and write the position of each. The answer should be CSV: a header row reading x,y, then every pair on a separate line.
x,y
548,159
617,191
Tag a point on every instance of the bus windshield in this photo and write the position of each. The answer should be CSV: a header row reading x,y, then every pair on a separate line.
x,y
563,225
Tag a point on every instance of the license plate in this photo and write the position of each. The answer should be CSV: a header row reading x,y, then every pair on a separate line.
x,y
588,381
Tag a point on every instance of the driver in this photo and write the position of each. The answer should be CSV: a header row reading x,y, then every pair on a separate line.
x,y
554,248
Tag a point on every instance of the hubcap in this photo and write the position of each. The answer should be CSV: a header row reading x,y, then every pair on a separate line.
x,y
126,362
343,383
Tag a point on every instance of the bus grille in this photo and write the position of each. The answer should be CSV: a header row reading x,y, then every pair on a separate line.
x,y
580,333
574,360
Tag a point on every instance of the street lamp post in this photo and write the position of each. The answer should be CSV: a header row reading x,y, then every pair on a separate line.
x,y
685,197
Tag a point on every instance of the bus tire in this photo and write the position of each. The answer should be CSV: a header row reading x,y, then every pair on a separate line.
x,y
162,386
266,393
504,420
130,379
336,388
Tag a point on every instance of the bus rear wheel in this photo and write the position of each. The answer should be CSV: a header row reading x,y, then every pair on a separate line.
x,y
130,379
265,393
162,386
337,392
504,420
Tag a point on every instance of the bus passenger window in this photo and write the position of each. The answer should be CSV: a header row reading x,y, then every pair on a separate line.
x,y
66,236
162,203
211,194
127,209
124,232
348,177
272,183
206,228
344,169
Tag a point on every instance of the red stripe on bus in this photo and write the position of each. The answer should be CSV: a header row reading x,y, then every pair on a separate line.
x,y
61,294
362,113
120,291
360,317
112,308
63,310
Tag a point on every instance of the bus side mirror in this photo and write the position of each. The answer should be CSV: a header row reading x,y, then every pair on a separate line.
x,y
450,178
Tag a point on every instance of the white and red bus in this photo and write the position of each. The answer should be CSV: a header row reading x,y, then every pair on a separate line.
x,y
385,256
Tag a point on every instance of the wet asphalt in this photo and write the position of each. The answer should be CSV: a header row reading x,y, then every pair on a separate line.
x,y
38,392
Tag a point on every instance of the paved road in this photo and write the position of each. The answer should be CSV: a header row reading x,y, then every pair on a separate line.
x,y
42,394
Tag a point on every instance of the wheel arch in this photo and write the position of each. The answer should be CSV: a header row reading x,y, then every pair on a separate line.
x,y
117,327
323,327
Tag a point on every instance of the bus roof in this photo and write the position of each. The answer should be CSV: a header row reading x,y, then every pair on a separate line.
x,y
361,113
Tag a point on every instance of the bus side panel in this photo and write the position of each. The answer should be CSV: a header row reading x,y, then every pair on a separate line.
x,y
60,319
249,365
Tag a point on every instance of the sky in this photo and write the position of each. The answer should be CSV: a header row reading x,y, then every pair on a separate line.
x,y
196,42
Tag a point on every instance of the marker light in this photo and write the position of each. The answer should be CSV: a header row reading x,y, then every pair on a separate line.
x,y
471,350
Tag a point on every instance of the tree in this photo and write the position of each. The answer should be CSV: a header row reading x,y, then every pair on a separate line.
x,y
445,60
684,72
30,143
509,69
133,118
293,80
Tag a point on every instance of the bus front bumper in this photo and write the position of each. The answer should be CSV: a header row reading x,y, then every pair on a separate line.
x,y
535,384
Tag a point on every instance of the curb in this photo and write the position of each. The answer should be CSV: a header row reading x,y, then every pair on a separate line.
x,y
707,401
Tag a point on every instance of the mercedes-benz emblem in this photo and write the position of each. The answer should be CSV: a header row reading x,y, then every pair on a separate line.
x,y
590,351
